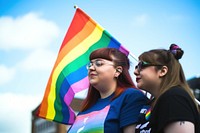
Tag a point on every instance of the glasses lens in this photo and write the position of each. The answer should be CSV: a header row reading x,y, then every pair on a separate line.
x,y
141,65
136,67
89,65
98,63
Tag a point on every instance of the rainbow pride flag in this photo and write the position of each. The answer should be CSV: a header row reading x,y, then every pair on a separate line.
x,y
69,74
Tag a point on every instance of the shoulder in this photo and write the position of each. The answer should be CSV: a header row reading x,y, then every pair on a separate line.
x,y
175,91
177,97
133,94
131,91
129,98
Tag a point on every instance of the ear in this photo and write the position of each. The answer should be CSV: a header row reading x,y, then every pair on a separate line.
x,y
118,71
163,71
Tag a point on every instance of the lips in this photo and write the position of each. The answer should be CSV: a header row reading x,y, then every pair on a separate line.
x,y
137,79
92,74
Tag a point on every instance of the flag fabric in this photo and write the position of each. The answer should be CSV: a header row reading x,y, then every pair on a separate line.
x,y
69,74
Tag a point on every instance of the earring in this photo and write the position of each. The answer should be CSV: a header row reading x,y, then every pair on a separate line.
x,y
119,70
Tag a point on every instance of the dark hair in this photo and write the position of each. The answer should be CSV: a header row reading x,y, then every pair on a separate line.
x,y
176,51
170,58
124,80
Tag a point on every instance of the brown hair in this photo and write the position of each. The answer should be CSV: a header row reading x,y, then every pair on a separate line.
x,y
175,75
124,80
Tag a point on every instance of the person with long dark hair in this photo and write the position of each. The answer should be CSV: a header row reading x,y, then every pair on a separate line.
x,y
173,108
113,103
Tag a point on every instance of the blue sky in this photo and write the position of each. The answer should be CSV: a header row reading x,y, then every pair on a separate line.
x,y
31,32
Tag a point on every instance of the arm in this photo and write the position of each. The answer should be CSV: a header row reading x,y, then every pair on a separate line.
x,y
180,127
129,129
172,108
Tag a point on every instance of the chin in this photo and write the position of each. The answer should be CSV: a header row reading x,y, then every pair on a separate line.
x,y
139,86
93,82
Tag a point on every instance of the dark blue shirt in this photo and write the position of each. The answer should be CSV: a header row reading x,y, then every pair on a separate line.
x,y
110,116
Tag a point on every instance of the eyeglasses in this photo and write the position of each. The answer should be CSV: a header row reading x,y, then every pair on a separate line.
x,y
142,64
97,63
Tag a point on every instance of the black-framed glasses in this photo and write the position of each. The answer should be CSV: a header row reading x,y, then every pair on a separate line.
x,y
97,63
143,64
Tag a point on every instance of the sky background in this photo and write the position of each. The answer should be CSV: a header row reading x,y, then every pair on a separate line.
x,y
31,32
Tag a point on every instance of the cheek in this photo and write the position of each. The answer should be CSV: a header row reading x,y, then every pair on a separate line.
x,y
150,81
107,74
148,78
150,74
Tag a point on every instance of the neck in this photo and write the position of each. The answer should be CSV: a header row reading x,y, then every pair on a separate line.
x,y
156,88
155,91
106,91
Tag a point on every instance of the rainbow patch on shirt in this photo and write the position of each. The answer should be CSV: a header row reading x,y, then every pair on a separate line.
x,y
91,122
148,114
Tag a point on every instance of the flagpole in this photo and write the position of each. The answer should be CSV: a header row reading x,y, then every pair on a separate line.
x,y
133,56
198,102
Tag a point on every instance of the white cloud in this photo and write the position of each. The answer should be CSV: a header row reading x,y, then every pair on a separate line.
x,y
6,74
40,59
141,20
26,32
16,112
